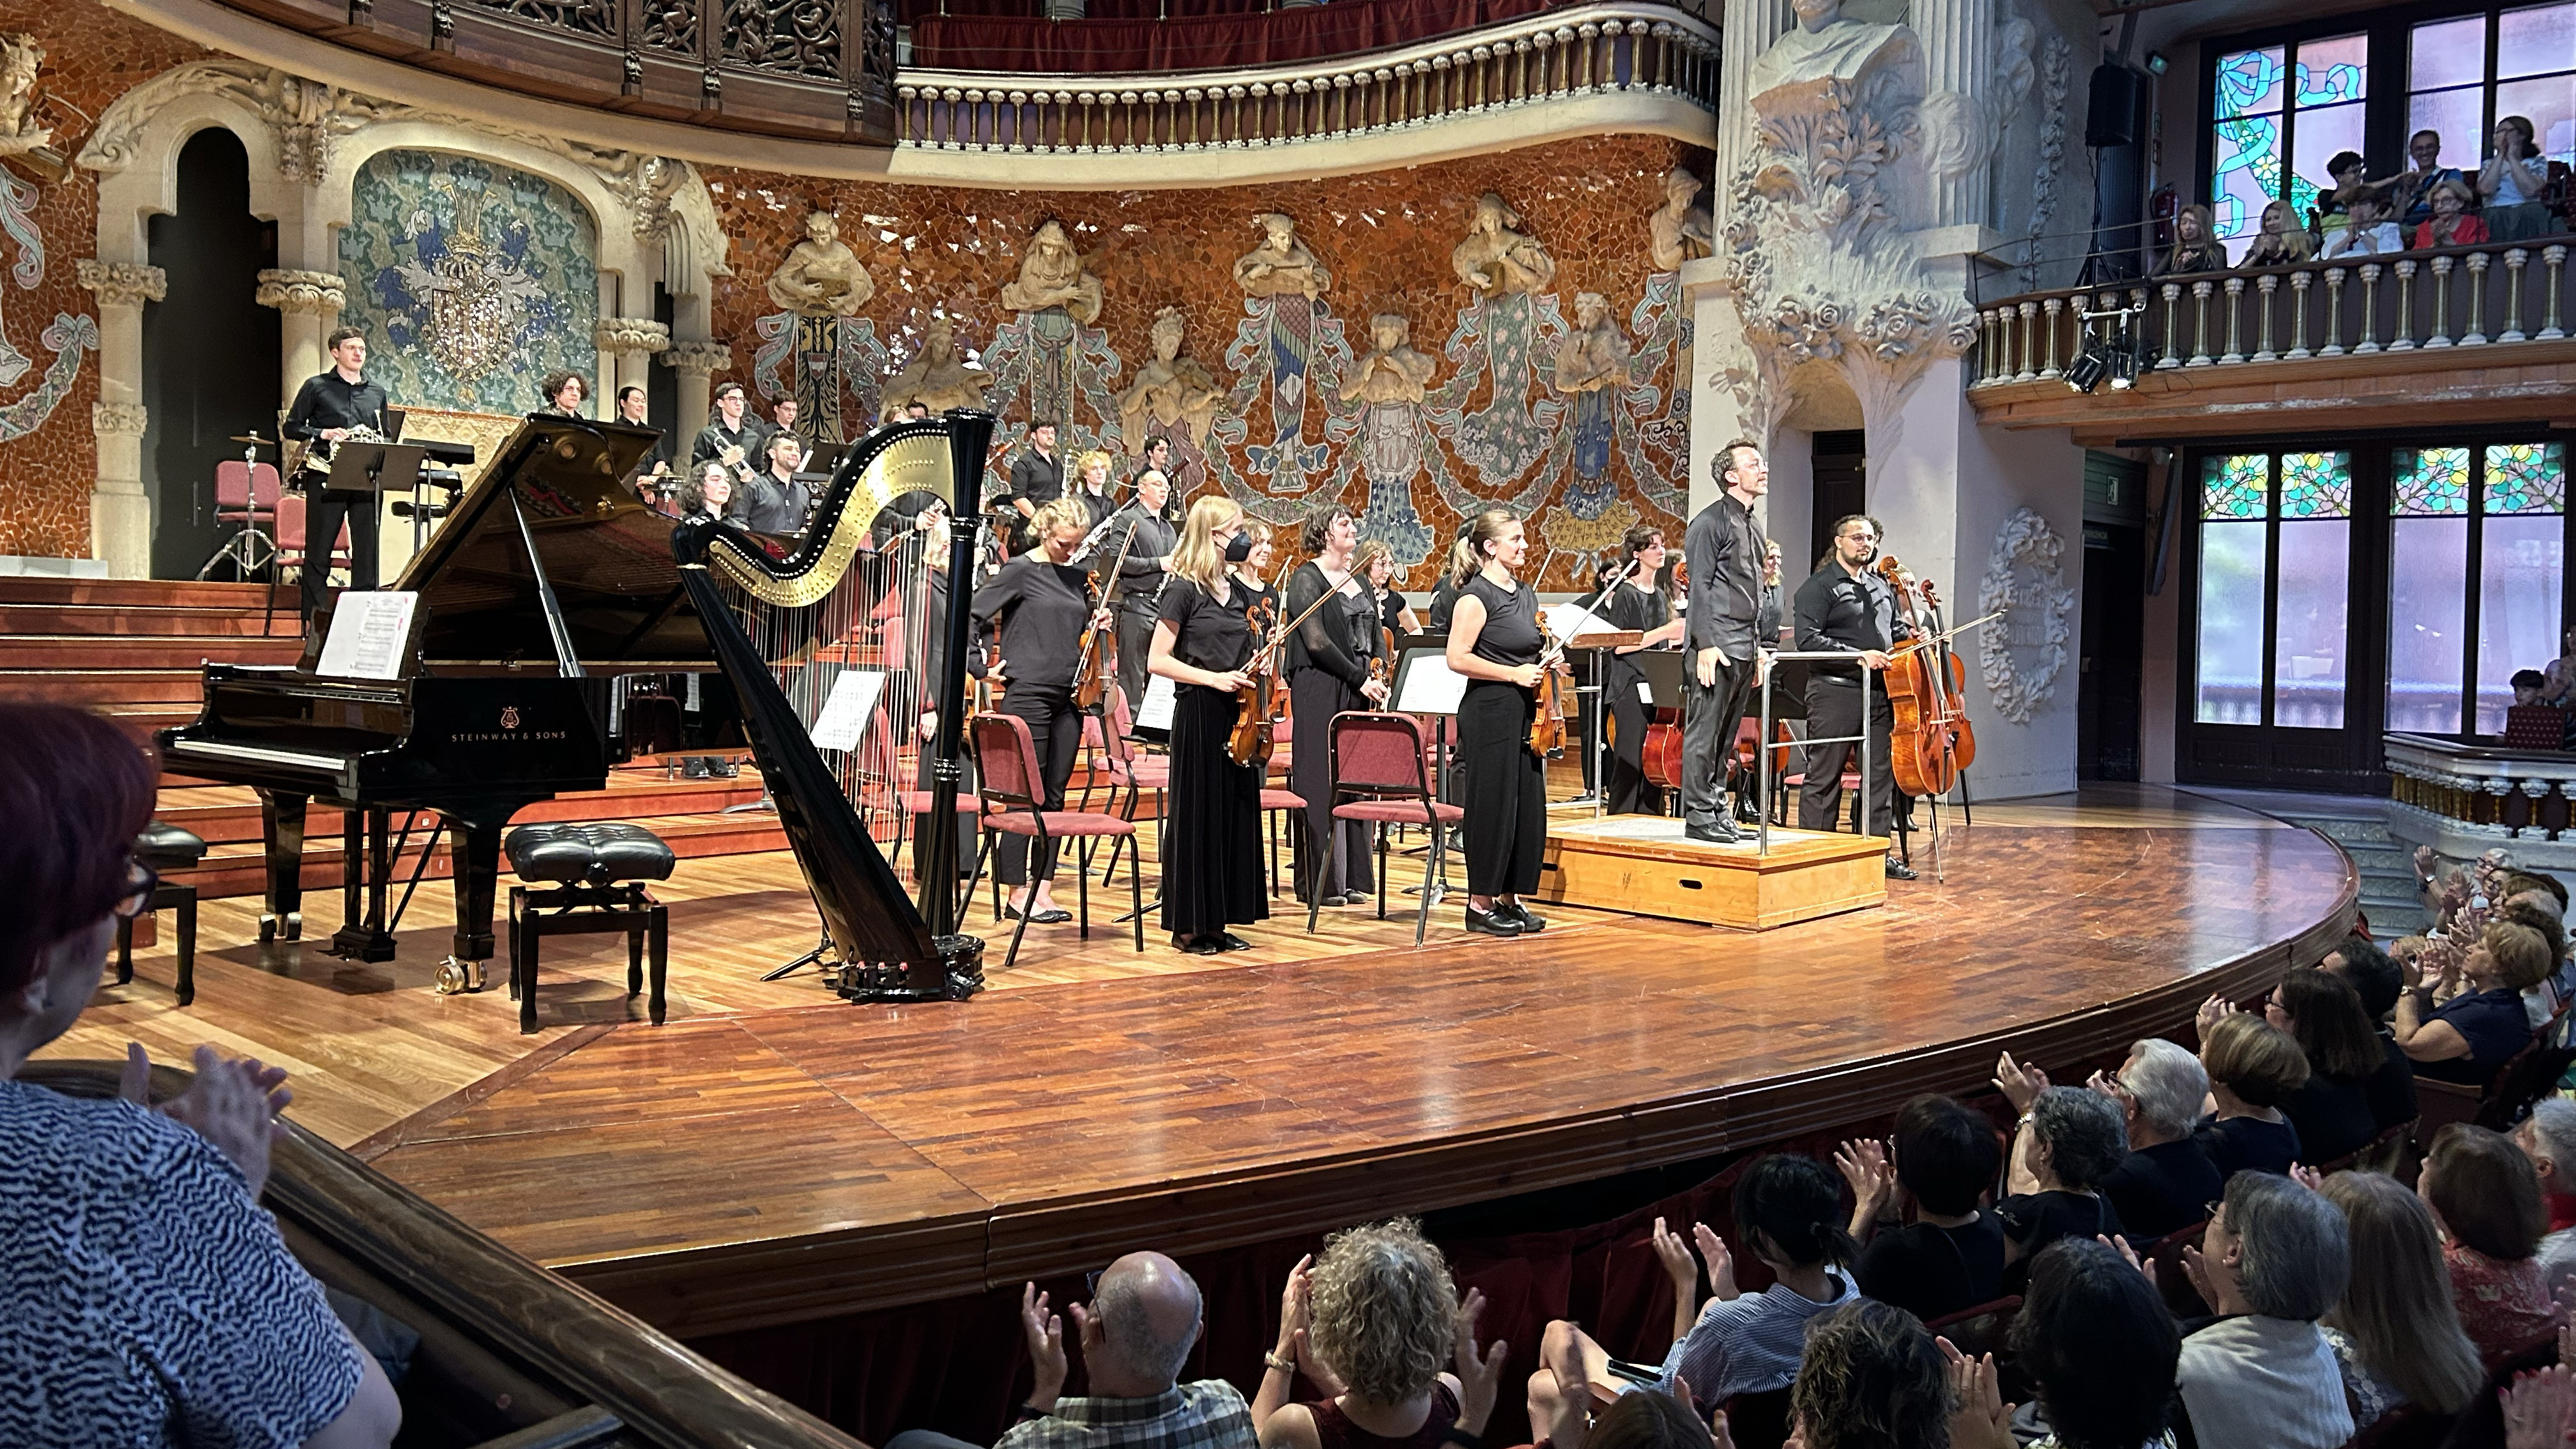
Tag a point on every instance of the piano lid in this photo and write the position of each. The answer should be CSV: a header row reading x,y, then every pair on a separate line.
x,y
607,556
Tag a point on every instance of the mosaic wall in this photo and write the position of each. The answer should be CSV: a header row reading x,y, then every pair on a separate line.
x,y
475,280
48,331
1282,400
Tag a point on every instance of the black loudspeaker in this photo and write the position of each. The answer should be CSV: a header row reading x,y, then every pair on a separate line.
x,y
2111,118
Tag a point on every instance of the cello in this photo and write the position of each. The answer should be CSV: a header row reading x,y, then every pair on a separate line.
x,y
1926,688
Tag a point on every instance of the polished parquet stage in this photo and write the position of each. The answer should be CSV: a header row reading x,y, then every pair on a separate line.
x,y
772,1155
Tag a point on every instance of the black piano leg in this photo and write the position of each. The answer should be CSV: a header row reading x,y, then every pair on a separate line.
x,y
281,820
365,863
476,843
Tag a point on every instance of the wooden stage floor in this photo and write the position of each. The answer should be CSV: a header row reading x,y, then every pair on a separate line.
x,y
772,1155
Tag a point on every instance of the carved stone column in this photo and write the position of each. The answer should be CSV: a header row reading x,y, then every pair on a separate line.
x,y
697,363
626,348
120,516
308,303
1958,59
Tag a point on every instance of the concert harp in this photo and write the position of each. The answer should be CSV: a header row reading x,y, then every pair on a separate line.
x,y
854,593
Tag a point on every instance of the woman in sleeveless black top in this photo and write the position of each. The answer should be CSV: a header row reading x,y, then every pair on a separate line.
x,y
1213,876
1328,673
1040,601
1494,640
1640,603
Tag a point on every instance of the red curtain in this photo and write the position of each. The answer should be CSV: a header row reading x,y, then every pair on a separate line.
x,y
1200,36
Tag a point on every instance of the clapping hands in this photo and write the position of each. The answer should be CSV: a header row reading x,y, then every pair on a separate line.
x,y
1982,1419
2020,1085
2540,1408
1866,1166
233,1104
1480,1378
1684,1273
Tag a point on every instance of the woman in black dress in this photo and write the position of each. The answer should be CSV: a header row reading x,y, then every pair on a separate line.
x,y
1328,673
1041,601
1201,643
1394,616
1642,602
1494,641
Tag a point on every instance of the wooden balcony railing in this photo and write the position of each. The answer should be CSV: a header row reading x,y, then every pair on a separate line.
x,y
2491,296
1615,49
2482,790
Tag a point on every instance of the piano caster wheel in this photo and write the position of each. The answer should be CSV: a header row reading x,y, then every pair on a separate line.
x,y
455,977
267,929
295,925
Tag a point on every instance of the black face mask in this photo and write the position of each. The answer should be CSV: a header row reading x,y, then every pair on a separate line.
x,y
1239,549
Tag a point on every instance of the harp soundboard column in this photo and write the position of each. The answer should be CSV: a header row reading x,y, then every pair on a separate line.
x,y
970,440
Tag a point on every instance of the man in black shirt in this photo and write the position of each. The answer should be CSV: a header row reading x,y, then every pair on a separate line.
x,y
652,476
1734,620
326,408
739,441
1037,476
1845,606
1142,574
774,501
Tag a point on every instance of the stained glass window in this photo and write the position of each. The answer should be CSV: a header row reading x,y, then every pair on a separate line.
x,y
2429,482
2451,93
2235,487
2327,90
2316,485
2526,478
2245,142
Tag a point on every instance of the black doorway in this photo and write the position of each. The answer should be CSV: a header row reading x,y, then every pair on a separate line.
x,y
2109,662
1841,470
209,349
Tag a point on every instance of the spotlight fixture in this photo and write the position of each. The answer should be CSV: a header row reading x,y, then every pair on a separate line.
x,y
2090,369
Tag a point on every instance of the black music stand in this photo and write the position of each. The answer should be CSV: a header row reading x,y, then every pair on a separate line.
x,y
1662,669
1426,685
376,467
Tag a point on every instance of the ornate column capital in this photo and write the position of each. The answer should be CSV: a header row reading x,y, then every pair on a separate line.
x,y
322,294
632,334
117,419
122,284
703,358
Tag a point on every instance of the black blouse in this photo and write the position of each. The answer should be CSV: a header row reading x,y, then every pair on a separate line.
x,y
1042,608
1207,634
1640,610
1339,638
1510,635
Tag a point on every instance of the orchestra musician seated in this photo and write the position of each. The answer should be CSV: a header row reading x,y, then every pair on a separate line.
x,y
149,1298
710,496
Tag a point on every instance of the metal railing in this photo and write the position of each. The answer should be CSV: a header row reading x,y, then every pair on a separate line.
x,y
1642,48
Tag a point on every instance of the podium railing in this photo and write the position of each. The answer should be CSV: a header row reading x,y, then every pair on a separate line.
x,y
1763,746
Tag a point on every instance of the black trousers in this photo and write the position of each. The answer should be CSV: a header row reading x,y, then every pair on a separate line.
x,y
1833,708
1315,696
1506,790
1213,877
1135,647
324,511
1055,729
1710,718
1631,793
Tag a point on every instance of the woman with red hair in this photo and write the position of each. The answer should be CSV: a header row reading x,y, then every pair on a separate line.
x,y
145,1296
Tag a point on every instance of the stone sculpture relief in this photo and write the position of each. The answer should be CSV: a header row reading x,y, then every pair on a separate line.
x,y
2021,656
1053,274
1497,259
1681,228
1281,265
1392,372
20,58
1171,391
938,376
821,276
1595,354
1826,48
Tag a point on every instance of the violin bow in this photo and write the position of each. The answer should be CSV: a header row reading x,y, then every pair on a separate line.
x,y
1943,637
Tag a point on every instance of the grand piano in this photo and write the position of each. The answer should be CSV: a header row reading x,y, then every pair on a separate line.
x,y
549,579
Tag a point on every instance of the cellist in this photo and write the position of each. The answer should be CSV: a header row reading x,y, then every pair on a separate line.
x,y
1201,643
1846,607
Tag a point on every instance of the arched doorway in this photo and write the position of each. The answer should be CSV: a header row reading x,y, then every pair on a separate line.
x,y
209,348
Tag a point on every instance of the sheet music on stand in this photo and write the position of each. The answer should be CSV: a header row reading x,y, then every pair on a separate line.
x,y
1156,712
369,628
847,708
1425,684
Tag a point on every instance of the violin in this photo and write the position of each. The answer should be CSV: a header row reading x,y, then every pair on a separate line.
x,y
1257,709
1927,689
1547,712
1096,664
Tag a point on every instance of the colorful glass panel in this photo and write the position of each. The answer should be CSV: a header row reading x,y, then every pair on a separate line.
x,y
2235,486
2316,485
2249,83
2459,117
2521,573
2428,482
2230,646
2331,71
2526,478
2447,53
2245,174
2535,41
2309,622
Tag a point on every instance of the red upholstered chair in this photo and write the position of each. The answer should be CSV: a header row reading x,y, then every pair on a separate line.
x,y
291,548
1127,770
246,500
1014,794
1377,774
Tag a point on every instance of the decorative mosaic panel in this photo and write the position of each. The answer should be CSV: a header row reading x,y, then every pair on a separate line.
x,y
2235,486
2316,485
2249,83
2428,482
2526,478
473,280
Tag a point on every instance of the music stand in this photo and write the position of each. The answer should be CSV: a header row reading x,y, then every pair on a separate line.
x,y
367,467
1589,641
1426,685
1662,670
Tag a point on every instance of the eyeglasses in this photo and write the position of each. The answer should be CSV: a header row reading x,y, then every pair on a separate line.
x,y
142,881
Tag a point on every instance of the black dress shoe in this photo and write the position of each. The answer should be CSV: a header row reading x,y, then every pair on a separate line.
x,y
1719,831
1899,870
1205,945
1519,915
1496,924
1051,916
693,768
1229,941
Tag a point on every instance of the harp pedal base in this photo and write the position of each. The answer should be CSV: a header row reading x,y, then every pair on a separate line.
x,y
960,974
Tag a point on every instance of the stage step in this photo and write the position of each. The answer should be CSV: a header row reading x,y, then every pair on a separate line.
x,y
131,593
73,651
140,620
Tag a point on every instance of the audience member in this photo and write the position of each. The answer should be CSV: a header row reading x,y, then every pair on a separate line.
x,y
2195,248
2536,910
148,1297
1952,1255
2395,1333
2331,1110
2471,1036
2281,240
2529,724
2377,981
2548,1138
1143,1320
2450,224
2411,190
1560,1416
2335,202
1788,1214
2166,1182
2511,183
2253,1067
2558,680
2262,1376
1873,1378
2486,1199
2069,1140
1373,1322
2367,230
2098,1349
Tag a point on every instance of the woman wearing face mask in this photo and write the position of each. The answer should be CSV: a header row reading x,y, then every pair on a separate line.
x,y
1328,674
1201,643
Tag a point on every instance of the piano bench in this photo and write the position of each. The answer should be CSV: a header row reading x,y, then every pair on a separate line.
x,y
166,849
597,874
